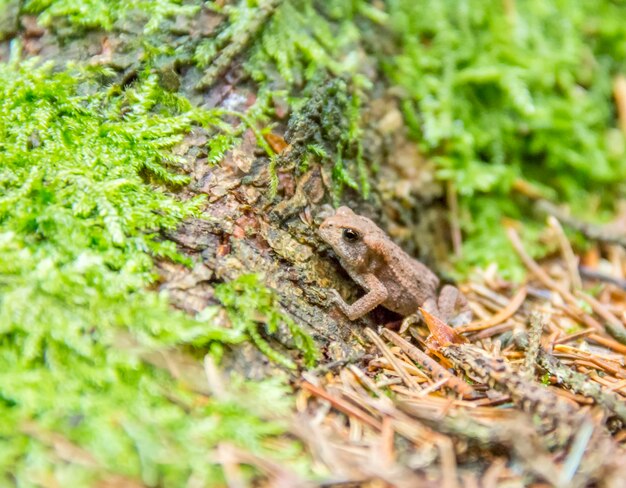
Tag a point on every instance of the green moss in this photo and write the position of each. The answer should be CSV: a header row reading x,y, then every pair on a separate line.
x,y
83,203
325,128
249,303
104,14
300,41
495,95
301,45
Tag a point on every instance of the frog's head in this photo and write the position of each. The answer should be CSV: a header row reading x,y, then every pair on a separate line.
x,y
348,234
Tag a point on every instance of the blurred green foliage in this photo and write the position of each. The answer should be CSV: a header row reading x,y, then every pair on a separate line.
x,y
498,91
104,14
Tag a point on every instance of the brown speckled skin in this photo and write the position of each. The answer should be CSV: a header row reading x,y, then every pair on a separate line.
x,y
391,277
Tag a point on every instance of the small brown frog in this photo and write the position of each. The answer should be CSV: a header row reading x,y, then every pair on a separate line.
x,y
390,276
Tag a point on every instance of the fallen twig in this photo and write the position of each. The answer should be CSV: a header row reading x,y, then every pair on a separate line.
x,y
577,382
542,276
504,314
569,258
594,274
401,370
613,325
342,406
537,323
438,372
591,231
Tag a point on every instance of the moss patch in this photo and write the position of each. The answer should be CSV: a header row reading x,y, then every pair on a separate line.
x,y
104,14
508,91
83,186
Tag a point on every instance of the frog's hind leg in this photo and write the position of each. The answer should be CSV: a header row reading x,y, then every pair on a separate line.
x,y
430,305
453,306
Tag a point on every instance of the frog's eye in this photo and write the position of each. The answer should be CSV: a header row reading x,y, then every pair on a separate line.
x,y
350,235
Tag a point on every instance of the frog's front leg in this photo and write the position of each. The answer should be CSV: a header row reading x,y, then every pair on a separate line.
x,y
376,294
453,306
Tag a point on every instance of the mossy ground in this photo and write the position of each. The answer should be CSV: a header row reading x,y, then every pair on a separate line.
x,y
88,173
85,174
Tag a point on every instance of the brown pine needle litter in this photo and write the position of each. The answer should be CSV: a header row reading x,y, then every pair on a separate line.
x,y
535,397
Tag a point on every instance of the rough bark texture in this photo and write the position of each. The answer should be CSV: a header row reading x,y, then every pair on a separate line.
x,y
243,229
246,231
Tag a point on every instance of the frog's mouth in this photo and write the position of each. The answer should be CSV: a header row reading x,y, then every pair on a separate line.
x,y
325,231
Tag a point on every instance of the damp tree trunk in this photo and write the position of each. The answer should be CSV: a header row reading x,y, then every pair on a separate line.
x,y
267,194
292,149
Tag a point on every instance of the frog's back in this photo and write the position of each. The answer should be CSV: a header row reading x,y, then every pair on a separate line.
x,y
409,283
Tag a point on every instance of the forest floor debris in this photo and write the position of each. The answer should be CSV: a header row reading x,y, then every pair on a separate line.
x,y
536,395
